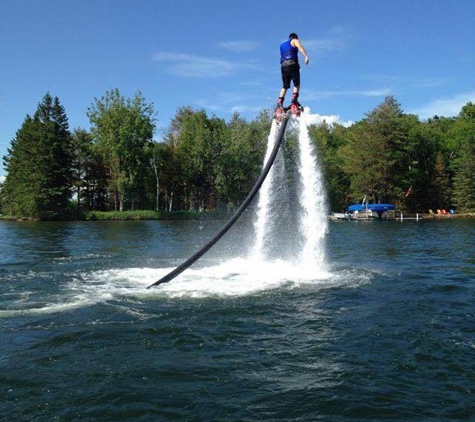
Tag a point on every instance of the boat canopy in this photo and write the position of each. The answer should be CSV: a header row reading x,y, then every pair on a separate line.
x,y
371,207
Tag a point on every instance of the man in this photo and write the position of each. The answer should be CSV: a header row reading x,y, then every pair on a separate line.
x,y
290,69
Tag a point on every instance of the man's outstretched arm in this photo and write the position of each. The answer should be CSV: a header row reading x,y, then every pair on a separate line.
x,y
298,44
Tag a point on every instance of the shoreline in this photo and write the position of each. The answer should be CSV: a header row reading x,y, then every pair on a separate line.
x,y
191,215
142,215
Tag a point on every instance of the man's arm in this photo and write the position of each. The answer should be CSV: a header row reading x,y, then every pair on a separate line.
x,y
297,44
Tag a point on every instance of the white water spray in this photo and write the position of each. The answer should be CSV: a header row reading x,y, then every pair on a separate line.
x,y
261,223
311,210
313,220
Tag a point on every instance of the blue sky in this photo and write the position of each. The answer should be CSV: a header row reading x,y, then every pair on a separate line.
x,y
223,56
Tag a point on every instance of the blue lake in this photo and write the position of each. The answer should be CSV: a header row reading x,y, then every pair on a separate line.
x,y
386,331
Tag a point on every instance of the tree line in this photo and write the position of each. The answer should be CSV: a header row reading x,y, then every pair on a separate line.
x,y
207,163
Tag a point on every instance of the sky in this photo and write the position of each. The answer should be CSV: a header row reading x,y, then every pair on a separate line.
x,y
223,56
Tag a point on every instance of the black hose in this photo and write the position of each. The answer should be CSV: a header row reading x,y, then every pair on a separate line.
x,y
178,270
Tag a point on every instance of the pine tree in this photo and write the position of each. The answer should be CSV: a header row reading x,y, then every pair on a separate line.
x,y
22,183
463,133
38,164
439,186
464,179
377,157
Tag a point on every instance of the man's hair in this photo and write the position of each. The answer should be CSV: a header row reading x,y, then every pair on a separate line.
x,y
293,35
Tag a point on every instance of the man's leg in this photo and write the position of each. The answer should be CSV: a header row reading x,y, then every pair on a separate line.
x,y
296,81
286,79
295,97
280,100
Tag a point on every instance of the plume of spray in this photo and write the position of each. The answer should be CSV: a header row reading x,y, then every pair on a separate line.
x,y
313,217
263,206
310,211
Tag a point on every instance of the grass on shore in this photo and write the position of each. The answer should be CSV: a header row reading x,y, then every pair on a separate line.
x,y
133,215
152,215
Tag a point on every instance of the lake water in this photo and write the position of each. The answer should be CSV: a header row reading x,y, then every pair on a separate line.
x,y
386,331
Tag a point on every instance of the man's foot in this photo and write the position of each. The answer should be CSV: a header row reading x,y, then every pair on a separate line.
x,y
279,112
296,108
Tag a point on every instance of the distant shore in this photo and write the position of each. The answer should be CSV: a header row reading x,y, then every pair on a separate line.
x,y
448,216
192,215
398,216
134,215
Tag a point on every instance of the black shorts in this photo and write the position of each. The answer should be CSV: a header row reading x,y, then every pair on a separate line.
x,y
290,73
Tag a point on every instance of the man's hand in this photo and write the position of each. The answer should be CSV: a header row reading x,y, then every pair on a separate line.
x,y
306,60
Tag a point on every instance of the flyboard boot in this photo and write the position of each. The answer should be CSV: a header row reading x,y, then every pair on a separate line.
x,y
279,110
295,107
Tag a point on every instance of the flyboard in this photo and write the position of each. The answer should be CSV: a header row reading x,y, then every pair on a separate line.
x,y
282,116
282,112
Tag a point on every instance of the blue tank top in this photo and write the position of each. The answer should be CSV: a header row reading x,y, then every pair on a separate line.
x,y
287,52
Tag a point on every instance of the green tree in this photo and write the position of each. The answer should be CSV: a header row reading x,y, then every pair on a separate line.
x,y
217,162
39,164
377,157
464,162
81,142
122,129
423,145
236,166
464,179
439,188
164,179
194,150
89,174
329,140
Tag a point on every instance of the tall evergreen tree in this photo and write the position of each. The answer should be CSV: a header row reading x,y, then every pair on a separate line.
x,y
38,163
439,186
464,161
464,179
376,156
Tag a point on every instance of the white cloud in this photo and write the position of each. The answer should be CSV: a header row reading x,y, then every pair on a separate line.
x,y
323,46
383,92
229,102
380,92
239,46
337,41
2,179
190,65
427,83
316,119
445,107
243,109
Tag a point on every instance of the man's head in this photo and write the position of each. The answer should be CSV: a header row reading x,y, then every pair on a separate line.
x,y
293,35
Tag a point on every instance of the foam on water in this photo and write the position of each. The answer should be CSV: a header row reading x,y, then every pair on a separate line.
x,y
233,278
47,308
240,277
